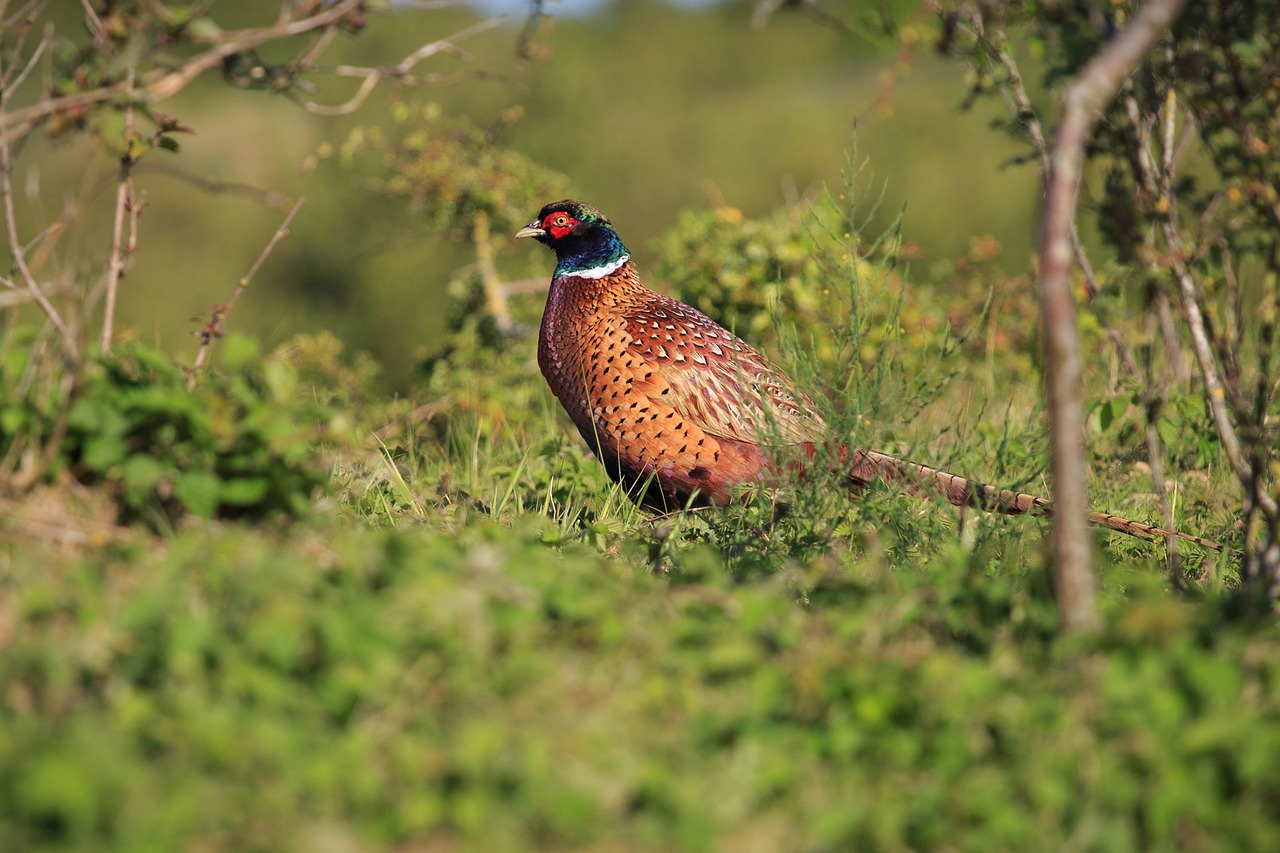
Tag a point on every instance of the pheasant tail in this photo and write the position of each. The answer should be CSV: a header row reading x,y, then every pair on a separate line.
x,y
921,480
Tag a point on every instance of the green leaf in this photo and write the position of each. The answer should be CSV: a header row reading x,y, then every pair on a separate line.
x,y
281,381
142,472
198,491
1106,414
55,783
238,350
244,491
87,415
103,451
12,418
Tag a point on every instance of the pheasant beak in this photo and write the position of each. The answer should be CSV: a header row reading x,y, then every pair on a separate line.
x,y
533,229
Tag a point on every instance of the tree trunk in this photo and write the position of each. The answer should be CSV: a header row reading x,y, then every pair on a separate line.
x,y
1075,582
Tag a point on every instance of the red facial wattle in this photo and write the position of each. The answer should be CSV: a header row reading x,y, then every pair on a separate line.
x,y
559,224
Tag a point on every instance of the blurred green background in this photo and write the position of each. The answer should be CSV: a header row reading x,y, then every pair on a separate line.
x,y
646,108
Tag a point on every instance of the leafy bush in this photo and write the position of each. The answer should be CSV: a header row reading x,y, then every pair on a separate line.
x,y
747,272
451,170
240,443
409,688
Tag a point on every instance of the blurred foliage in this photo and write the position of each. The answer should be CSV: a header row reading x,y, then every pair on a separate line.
x,y
409,688
1225,58
450,170
242,443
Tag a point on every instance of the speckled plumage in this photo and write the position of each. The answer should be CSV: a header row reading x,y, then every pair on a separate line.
x,y
670,401
682,411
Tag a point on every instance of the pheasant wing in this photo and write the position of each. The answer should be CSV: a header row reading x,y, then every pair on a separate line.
x,y
717,380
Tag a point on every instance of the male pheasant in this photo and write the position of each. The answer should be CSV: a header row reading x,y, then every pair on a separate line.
x,y
683,412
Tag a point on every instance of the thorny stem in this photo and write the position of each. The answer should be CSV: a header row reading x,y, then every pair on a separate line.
x,y
213,329
161,83
124,209
16,249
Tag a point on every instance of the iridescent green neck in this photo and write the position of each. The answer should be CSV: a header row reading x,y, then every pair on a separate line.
x,y
594,258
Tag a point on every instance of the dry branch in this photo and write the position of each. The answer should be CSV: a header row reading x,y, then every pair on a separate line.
x,y
401,71
213,329
125,210
295,20
18,251
1086,95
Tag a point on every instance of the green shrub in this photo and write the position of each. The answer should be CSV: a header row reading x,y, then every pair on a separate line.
x,y
243,442
400,689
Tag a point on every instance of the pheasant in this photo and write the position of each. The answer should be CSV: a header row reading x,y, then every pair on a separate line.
x,y
680,410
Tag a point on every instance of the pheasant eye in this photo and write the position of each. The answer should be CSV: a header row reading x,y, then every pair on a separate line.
x,y
559,224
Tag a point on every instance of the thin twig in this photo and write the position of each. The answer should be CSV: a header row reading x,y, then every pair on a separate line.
x,y
523,286
19,257
124,201
21,23
401,71
162,83
33,60
14,298
213,329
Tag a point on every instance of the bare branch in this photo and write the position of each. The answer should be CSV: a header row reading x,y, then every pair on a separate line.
x,y
213,329
91,16
16,297
1154,400
159,84
124,203
495,297
21,22
162,83
16,249
267,198
1086,95
1215,393
32,61
401,71
1160,187
766,9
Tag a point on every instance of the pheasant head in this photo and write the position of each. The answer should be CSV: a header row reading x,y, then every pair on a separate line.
x,y
582,238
